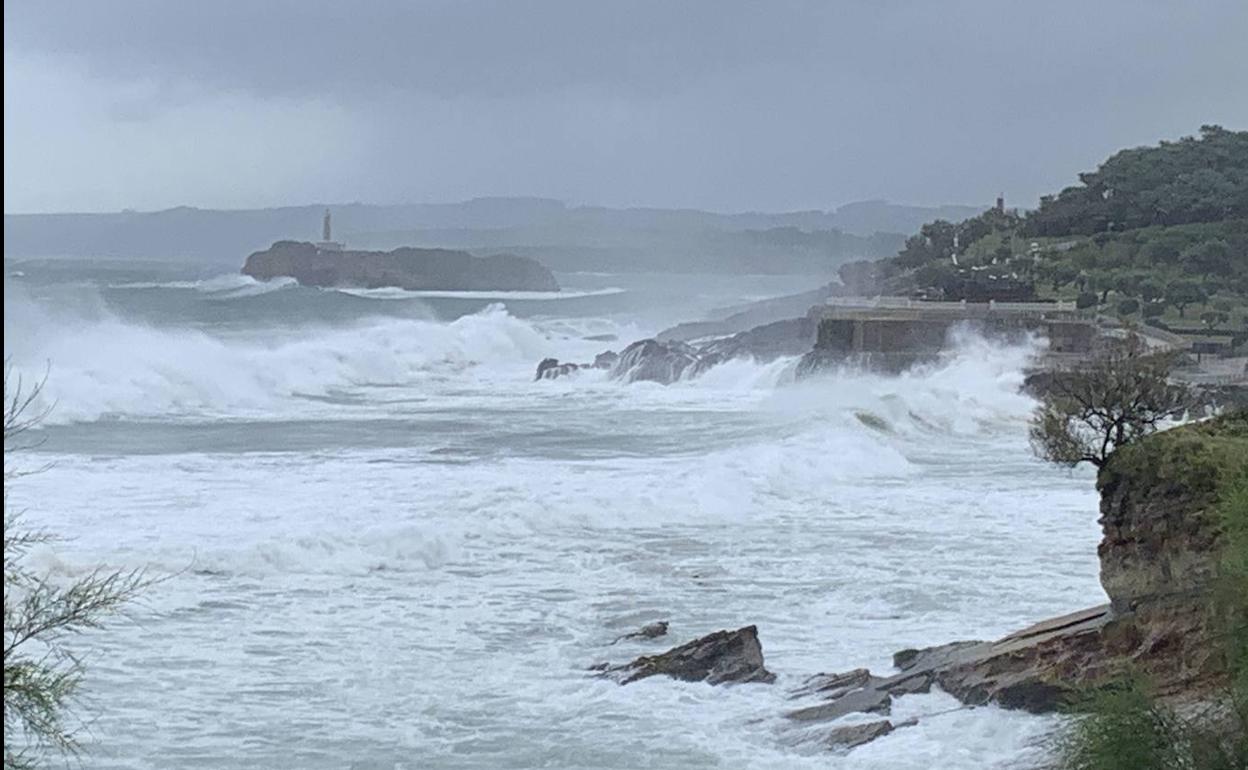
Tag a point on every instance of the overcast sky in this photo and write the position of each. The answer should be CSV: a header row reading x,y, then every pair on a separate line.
x,y
149,104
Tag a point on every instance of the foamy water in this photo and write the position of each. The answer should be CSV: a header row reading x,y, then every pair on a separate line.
x,y
387,547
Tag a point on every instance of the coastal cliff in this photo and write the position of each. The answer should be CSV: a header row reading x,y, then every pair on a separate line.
x,y
1165,503
406,268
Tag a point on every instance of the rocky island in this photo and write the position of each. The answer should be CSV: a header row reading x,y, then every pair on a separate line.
x,y
405,268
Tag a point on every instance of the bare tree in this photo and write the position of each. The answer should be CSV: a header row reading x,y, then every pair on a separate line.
x,y
41,673
1118,398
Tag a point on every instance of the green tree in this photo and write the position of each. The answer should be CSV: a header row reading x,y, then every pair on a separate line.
x,y
1184,293
42,673
1086,300
1120,397
1212,318
1208,258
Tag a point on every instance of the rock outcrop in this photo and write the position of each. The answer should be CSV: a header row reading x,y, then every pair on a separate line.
x,y
724,657
1158,562
665,362
406,268
552,368
662,362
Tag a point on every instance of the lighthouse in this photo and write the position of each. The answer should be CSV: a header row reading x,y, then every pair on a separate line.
x,y
327,242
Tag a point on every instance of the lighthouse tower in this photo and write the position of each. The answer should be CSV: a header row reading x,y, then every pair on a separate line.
x,y
327,243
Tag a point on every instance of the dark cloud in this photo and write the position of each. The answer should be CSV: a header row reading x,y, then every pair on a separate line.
x,y
717,104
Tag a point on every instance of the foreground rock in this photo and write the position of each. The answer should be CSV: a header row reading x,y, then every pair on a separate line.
x,y
407,268
723,657
1159,557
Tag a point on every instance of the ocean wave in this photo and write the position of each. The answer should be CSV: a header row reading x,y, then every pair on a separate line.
x,y
103,366
397,293
222,287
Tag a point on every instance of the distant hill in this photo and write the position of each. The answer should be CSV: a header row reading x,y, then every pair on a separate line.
x,y
563,237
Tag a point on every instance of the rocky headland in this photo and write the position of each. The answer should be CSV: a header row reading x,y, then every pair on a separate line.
x,y
406,268
1162,546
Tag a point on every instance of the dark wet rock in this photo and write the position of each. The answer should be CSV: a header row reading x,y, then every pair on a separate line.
x,y
654,361
751,316
867,700
790,337
719,658
851,736
405,268
550,368
668,360
606,359
832,685
648,631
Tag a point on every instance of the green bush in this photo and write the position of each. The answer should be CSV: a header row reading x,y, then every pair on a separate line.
x,y
1122,726
1086,300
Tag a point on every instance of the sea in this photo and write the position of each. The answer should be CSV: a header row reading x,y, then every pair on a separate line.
x,y
380,543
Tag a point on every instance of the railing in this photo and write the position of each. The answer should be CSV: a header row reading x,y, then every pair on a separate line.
x,y
954,307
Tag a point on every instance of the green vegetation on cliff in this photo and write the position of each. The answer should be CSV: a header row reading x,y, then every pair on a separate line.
x,y
1155,233
1124,726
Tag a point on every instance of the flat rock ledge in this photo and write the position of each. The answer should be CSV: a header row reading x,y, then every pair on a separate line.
x,y
1026,670
724,657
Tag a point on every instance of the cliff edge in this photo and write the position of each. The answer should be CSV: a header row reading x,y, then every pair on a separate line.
x,y
1164,546
406,268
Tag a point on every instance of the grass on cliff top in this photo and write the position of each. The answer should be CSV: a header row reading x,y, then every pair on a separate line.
x,y
1124,727
1200,458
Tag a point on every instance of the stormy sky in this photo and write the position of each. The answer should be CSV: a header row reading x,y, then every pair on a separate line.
x,y
728,106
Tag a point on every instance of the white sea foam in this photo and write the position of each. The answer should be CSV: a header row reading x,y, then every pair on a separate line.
x,y
422,576
395,293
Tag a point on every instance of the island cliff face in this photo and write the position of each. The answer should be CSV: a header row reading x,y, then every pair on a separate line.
x,y
406,268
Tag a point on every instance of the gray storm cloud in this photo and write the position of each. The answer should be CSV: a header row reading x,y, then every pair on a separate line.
x,y
709,104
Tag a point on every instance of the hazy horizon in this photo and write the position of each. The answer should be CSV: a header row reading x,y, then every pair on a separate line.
x,y
567,204
727,108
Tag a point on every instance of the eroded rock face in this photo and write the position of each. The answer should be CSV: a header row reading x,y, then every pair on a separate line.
x,y
1158,541
720,658
406,268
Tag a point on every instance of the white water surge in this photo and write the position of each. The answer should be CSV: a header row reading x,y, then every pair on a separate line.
x,y
388,547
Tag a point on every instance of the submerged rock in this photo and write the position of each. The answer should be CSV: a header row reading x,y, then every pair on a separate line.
x,y
720,658
648,631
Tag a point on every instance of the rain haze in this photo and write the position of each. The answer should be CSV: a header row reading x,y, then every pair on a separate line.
x,y
467,385
720,106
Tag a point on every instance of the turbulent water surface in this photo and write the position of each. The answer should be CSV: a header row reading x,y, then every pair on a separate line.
x,y
387,547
